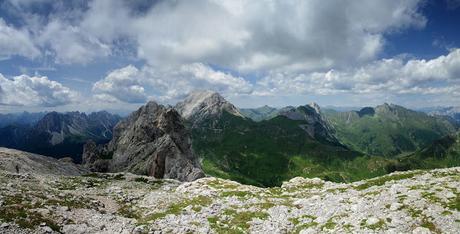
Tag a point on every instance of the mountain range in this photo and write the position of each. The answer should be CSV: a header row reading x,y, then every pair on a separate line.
x,y
279,144
23,118
60,134
261,146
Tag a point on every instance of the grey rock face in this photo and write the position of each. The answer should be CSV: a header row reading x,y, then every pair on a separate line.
x,y
317,126
151,141
199,106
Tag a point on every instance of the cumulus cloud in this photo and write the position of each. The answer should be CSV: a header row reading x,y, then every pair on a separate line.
x,y
121,85
130,84
252,35
26,90
440,75
70,44
291,47
243,35
15,41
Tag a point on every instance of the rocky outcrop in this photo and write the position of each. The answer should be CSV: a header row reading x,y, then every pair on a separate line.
x,y
151,141
316,125
16,161
403,202
201,106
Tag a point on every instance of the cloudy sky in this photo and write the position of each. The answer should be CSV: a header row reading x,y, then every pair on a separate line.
x,y
118,54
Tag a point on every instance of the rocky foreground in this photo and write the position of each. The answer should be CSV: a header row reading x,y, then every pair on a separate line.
x,y
416,201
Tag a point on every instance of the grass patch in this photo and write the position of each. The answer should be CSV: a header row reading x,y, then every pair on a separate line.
x,y
240,194
430,225
330,224
236,222
383,179
141,180
197,203
454,203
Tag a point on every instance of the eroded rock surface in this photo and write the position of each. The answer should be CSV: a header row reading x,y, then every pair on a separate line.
x,y
408,202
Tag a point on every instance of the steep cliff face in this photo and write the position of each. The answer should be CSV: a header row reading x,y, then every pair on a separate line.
x,y
151,141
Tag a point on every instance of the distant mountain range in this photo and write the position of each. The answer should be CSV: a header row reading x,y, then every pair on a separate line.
x,y
23,118
453,112
388,130
59,134
260,146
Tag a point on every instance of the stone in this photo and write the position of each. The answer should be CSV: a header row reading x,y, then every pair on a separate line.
x,y
47,229
421,230
372,221
395,206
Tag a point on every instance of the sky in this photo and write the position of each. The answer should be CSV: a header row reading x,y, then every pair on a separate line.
x,y
115,55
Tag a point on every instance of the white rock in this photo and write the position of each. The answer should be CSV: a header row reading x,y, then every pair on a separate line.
x,y
372,221
395,206
421,230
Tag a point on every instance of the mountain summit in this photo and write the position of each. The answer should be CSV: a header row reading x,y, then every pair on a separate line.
x,y
198,106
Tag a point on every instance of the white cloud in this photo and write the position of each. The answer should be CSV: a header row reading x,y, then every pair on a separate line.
x,y
16,42
288,47
25,90
252,35
70,44
130,84
440,75
244,35
122,84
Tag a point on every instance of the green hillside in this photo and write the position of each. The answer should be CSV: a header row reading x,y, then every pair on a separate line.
x,y
444,152
268,152
388,130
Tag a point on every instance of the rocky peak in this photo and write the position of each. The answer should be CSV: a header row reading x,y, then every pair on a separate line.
x,y
200,105
316,125
315,107
151,141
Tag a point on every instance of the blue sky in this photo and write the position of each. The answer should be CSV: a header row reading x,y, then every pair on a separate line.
x,y
116,55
